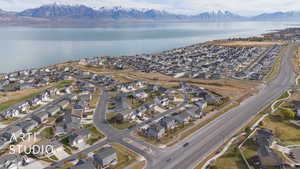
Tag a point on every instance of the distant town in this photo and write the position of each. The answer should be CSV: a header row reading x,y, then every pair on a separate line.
x,y
221,104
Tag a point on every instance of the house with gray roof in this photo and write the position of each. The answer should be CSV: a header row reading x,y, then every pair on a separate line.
x,y
63,104
105,157
53,110
40,117
264,137
183,118
28,125
155,131
4,142
13,132
47,148
168,122
79,137
10,161
268,158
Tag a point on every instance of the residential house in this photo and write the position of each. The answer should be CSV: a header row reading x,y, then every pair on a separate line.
x,y
10,161
67,123
79,137
268,158
195,112
183,118
201,104
4,142
168,122
86,98
264,137
28,125
53,110
163,101
10,113
105,157
155,131
12,132
63,104
47,148
40,117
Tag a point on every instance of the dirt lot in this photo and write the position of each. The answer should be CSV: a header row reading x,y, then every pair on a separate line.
x,y
295,59
8,96
234,89
244,43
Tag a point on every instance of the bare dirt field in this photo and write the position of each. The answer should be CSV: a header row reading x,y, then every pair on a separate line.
x,y
234,89
8,96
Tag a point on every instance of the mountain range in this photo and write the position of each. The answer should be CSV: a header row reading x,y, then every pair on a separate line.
x,y
72,15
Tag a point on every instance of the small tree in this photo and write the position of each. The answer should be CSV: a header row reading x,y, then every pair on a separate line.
x,y
288,114
118,118
247,130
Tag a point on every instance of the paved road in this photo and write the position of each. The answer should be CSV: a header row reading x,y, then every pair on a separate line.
x,y
212,136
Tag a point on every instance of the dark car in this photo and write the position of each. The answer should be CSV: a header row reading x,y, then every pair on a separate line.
x,y
185,144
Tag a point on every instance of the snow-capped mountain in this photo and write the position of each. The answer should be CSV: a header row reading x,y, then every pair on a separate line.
x,y
280,16
6,13
218,16
82,11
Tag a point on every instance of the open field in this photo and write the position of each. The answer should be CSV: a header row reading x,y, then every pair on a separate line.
x,y
8,99
295,59
244,43
276,66
97,70
233,89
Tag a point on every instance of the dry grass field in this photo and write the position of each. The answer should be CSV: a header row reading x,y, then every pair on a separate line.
x,y
234,89
8,96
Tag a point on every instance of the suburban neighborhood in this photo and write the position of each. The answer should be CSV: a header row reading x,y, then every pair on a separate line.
x,y
129,111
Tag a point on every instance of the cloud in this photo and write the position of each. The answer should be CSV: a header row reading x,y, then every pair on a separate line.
x,y
244,7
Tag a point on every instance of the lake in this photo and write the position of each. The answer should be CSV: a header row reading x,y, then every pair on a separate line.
x,y
23,48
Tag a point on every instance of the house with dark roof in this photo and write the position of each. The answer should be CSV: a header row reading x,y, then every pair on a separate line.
x,y
28,125
264,137
168,122
12,132
183,118
268,158
53,110
40,117
4,142
47,148
155,131
10,161
63,104
105,157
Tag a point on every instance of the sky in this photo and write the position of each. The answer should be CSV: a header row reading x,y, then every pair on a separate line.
x,y
242,7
